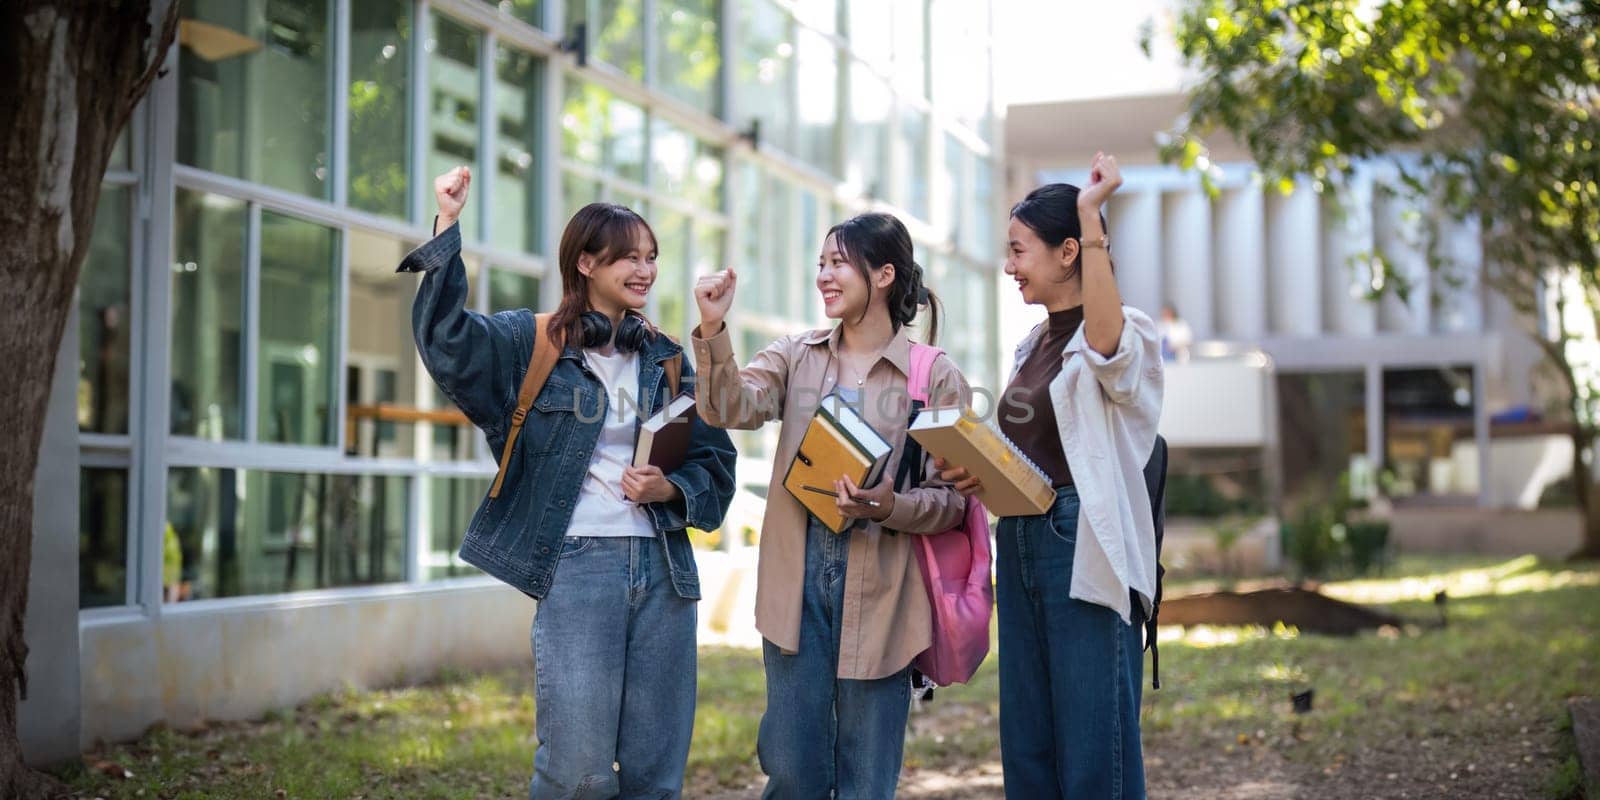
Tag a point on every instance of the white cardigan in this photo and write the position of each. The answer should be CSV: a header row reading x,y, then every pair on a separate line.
x,y
1107,410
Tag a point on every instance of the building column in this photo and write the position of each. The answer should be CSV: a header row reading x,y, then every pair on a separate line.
x,y
48,719
1294,290
1186,225
1397,228
1346,242
1461,306
1240,262
1134,222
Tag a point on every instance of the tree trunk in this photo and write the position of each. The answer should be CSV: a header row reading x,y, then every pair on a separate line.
x,y
1584,490
74,71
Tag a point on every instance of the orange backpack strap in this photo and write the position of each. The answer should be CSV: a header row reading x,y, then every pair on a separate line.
x,y
545,353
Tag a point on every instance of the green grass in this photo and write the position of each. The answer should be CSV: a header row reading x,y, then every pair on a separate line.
x,y
1486,693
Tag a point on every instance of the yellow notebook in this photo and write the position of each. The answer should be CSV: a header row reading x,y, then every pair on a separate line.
x,y
837,443
1012,485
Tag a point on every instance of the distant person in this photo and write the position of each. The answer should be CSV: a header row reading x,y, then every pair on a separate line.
x,y
1175,335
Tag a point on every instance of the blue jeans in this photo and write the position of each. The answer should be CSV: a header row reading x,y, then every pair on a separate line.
x,y
822,736
1070,671
614,657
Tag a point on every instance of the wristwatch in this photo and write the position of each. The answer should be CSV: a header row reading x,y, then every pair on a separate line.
x,y
1104,242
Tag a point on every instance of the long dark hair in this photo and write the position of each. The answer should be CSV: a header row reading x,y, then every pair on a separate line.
x,y
604,231
1051,212
869,241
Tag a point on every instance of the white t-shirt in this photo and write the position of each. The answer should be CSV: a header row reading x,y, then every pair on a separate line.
x,y
601,509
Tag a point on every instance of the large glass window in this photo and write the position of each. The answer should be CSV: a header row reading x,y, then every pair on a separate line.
x,y
984,244
872,31
380,143
961,79
870,106
600,130
672,269
451,503
683,167
689,60
509,291
254,91
253,532
819,101
768,256
383,377
208,316
516,187
299,273
102,537
911,185
103,323
1324,414
616,32
1429,436
453,111
763,72
529,11
911,46
577,191
955,176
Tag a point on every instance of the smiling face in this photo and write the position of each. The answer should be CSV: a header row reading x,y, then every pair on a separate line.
x,y
624,283
844,288
1039,268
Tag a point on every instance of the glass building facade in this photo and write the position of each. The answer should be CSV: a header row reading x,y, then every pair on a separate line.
x,y
253,416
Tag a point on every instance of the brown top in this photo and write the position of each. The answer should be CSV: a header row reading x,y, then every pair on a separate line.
x,y
887,619
1036,434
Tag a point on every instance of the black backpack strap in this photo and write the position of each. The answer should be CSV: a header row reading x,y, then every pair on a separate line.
x,y
1155,482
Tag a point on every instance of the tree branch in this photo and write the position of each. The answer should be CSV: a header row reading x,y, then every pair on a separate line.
x,y
158,56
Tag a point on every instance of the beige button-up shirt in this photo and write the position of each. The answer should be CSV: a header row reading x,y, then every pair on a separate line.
x,y
887,619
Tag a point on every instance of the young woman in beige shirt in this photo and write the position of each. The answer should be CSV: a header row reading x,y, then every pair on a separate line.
x,y
842,614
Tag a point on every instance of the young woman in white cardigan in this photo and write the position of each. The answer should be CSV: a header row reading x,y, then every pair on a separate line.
x,y
1075,584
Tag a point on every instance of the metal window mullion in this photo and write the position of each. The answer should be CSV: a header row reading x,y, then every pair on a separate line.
x,y
138,252
488,123
549,159
422,29
728,44
341,370
1375,420
250,380
651,50
340,168
152,323
416,510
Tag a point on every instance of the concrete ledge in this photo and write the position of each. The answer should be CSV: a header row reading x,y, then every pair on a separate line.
x,y
229,663
1552,533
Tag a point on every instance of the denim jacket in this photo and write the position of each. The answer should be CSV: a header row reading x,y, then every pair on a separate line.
x,y
479,361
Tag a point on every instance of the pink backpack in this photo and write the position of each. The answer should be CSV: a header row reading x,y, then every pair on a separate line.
x,y
955,569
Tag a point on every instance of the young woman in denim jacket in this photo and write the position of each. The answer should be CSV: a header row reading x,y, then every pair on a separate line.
x,y
842,614
600,544
1074,585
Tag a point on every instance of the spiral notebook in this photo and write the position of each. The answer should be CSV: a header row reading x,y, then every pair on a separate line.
x,y
1012,485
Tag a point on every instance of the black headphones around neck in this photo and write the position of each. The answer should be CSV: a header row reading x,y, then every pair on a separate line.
x,y
631,335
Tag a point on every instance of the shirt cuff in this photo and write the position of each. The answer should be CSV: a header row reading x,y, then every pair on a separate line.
x,y
716,350
899,516
435,253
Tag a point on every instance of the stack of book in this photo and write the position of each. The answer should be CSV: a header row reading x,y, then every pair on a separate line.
x,y
837,443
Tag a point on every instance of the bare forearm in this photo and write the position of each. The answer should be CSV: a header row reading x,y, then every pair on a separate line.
x,y
1102,302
